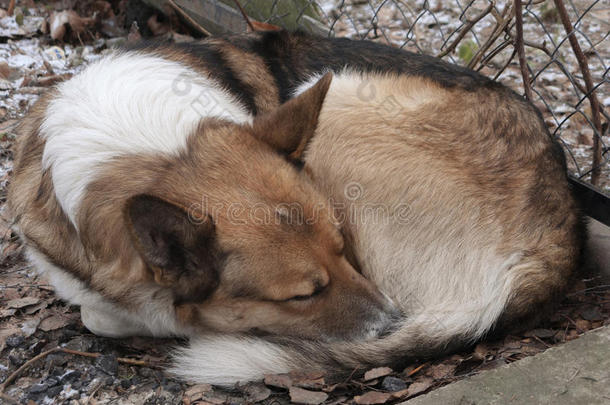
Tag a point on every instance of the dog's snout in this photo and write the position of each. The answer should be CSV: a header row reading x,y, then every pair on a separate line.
x,y
386,320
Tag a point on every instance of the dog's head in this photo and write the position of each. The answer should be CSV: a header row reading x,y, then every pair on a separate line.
x,y
249,244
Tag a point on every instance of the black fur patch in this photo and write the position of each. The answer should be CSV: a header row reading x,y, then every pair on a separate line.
x,y
212,60
293,57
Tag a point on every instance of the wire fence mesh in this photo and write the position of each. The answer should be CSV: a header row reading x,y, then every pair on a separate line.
x,y
483,35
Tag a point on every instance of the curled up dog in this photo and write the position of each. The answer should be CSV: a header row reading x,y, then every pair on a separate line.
x,y
290,202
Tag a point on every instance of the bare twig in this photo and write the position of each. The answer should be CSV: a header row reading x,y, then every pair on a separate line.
x,y
503,68
584,68
416,369
542,341
243,13
11,7
33,360
525,74
27,364
467,29
502,22
188,18
123,360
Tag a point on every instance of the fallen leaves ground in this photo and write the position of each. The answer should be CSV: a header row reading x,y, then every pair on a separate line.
x,y
96,370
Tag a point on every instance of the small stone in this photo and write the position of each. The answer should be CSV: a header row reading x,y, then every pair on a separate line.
x,y
17,357
372,397
171,386
125,384
94,385
38,388
51,382
70,376
70,393
147,372
80,343
56,371
301,396
255,392
278,380
135,380
393,384
108,363
109,380
592,314
54,391
14,340
376,373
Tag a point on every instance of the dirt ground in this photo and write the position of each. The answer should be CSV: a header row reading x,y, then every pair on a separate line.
x,y
82,368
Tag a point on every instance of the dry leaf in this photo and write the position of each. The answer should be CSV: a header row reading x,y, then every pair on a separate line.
x,y
33,309
5,313
420,386
481,351
255,392
22,302
377,372
53,322
195,393
157,27
5,333
373,397
441,371
313,381
301,396
29,327
263,26
278,380
51,79
59,22
5,70
134,33
400,394
541,333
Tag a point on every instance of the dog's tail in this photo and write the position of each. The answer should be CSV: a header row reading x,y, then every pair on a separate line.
x,y
226,359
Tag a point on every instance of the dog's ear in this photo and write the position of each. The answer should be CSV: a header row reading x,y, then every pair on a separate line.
x,y
181,251
289,128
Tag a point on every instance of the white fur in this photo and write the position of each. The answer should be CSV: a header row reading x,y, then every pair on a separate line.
x,y
125,103
224,360
103,317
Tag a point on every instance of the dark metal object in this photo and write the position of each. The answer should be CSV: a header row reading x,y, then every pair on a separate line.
x,y
594,202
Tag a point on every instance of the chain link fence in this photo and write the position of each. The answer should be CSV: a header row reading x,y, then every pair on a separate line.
x,y
485,36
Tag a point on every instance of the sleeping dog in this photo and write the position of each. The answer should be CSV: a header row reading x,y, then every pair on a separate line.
x,y
292,202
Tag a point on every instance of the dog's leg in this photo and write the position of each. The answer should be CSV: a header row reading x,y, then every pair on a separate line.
x,y
99,316
104,320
